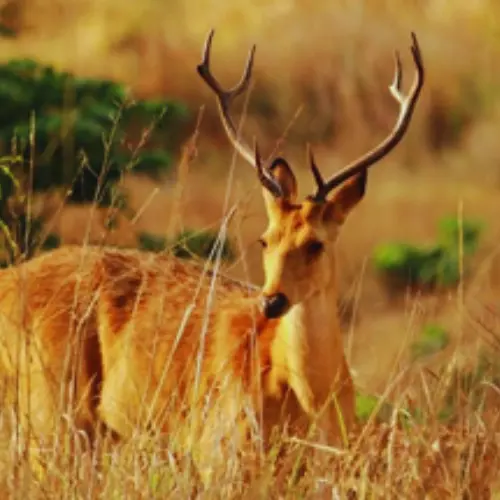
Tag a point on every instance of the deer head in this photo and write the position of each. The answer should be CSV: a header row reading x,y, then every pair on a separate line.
x,y
298,244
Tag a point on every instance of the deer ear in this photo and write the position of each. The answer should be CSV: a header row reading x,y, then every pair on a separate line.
x,y
345,199
281,171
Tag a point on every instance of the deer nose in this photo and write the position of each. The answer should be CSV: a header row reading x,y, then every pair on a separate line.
x,y
275,305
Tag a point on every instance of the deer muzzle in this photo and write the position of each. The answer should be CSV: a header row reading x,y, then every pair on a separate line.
x,y
275,306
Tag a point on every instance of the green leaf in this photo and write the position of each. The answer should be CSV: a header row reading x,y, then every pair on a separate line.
x,y
433,339
152,162
434,265
451,231
151,242
366,404
99,91
192,243
82,132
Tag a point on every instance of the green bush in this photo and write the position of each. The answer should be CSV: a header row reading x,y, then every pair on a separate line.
x,y
58,131
189,244
81,127
437,265
192,243
433,339
368,405
151,242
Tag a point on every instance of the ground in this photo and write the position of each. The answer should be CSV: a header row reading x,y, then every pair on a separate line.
x,y
327,86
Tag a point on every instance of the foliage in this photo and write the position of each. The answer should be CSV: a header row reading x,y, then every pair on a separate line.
x,y
151,242
367,404
433,339
188,244
437,265
203,244
76,129
78,134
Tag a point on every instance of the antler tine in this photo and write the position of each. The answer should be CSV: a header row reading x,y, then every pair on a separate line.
x,y
320,183
397,82
407,106
224,99
265,179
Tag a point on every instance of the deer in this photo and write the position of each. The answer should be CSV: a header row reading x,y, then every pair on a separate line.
x,y
114,337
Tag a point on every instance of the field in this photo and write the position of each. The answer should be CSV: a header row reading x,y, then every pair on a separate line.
x,y
321,76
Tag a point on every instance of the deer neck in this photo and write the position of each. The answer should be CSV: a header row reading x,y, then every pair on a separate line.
x,y
310,345
314,323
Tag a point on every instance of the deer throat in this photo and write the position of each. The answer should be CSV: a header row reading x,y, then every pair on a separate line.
x,y
309,345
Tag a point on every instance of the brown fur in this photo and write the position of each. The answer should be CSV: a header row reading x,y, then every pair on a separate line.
x,y
118,316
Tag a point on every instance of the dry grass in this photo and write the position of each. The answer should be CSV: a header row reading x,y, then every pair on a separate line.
x,y
404,450
409,452
386,462
331,61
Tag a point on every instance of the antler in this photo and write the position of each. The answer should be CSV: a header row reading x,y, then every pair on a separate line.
x,y
406,108
224,100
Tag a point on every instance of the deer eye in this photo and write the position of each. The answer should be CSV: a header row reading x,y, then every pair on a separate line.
x,y
314,247
263,242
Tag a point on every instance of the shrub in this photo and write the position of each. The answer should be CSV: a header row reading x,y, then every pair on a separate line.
x,y
202,244
80,129
437,265
366,404
189,244
76,134
433,339
151,242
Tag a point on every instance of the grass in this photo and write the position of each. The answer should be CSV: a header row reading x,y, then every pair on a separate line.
x,y
402,447
337,76
435,460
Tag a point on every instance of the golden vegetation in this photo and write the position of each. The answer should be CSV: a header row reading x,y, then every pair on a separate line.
x,y
321,75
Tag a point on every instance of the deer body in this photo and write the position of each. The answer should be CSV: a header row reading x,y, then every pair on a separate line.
x,y
110,330
125,338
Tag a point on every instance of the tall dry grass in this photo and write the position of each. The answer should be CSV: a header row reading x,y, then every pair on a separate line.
x,y
385,461
321,72
406,448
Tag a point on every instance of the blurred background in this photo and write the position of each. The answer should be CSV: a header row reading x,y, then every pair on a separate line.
x,y
99,100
